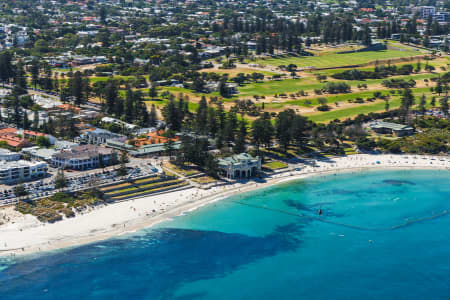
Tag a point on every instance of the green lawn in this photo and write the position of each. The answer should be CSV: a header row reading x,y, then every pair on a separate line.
x,y
274,165
352,111
309,84
337,60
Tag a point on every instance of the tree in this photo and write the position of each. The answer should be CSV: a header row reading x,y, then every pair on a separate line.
x,y
407,101
102,14
26,122
111,94
386,104
422,103
223,91
34,70
43,141
152,92
60,180
169,147
20,191
122,171
202,116
239,146
283,127
20,80
444,105
438,88
76,85
129,105
6,67
153,116
211,166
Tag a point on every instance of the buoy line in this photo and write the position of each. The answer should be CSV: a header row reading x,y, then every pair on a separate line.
x,y
321,219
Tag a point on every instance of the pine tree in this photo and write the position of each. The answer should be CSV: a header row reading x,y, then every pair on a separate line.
x,y
128,105
60,180
444,105
422,104
153,116
152,92
26,123
76,85
202,115
239,146
407,101
111,96
34,70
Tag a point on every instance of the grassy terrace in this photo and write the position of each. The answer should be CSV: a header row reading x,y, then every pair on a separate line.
x,y
338,60
185,170
149,186
149,191
274,165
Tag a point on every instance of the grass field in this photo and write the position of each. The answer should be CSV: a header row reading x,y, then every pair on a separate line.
x,y
337,60
352,111
274,165
309,84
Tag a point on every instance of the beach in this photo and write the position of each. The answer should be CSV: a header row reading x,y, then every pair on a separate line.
x,y
24,234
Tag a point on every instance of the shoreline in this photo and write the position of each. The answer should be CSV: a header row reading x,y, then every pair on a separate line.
x,y
30,237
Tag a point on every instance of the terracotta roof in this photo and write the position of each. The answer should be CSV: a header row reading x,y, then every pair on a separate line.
x,y
13,140
33,133
8,130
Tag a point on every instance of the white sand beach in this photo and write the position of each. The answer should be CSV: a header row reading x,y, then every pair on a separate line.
x,y
24,234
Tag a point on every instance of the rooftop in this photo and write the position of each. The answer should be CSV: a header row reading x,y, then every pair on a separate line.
x,y
392,126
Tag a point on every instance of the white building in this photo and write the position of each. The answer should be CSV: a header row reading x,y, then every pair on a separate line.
x,y
98,136
8,155
240,166
83,157
21,170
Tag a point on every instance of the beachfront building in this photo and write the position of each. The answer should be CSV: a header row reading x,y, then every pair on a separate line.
x,y
21,170
84,157
240,166
392,128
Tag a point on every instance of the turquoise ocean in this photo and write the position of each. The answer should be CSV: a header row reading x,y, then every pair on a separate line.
x,y
380,235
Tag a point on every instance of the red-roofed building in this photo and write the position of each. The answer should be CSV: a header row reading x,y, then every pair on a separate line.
x,y
13,141
9,130
32,135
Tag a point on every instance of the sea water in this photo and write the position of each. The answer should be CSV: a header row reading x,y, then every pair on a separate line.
x,y
379,235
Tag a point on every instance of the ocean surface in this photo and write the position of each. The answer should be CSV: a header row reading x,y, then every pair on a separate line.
x,y
381,235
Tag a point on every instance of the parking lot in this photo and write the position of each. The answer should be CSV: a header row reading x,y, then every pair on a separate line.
x,y
77,180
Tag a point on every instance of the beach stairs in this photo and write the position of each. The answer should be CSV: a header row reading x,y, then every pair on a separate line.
x,y
142,187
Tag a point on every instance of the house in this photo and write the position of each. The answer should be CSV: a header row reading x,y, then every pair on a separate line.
x,y
21,170
240,166
84,157
392,128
